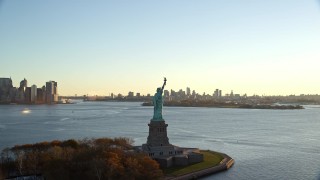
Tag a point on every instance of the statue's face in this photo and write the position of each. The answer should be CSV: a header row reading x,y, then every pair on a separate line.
x,y
158,89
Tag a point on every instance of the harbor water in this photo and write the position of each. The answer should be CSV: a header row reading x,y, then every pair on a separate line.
x,y
265,144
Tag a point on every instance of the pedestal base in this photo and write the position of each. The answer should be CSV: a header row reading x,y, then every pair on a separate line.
x,y
158,134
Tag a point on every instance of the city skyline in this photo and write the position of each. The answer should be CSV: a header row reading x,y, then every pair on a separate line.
x,y
187,91
264,48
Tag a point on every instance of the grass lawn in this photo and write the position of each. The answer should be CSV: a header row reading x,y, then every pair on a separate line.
x,y
210,159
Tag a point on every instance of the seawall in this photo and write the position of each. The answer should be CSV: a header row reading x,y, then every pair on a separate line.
x,y
226,163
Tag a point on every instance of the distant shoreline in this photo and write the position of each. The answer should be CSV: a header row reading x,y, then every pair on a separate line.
x,y
208,104
33,104
226,105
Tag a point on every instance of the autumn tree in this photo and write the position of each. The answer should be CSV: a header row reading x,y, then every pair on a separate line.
x,y
102,158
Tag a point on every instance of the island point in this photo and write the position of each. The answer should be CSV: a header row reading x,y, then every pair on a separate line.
x,y
179,162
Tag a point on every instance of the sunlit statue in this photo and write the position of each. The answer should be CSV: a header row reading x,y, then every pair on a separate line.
x,y
158,103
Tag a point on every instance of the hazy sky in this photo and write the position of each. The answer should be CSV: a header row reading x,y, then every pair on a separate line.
x,y
99,47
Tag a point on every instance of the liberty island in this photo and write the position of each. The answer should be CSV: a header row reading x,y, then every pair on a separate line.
x,y
169,155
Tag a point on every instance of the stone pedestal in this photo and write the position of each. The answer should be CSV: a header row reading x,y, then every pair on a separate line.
x,y
158,134
167,155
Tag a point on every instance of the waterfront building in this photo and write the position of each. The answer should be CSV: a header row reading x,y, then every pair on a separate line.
x,y
27,95
40,95
172,92
12,94
20,95
237,97
120,96
5,88
51,92
188,91
194,93
216,93
166,93
181,94
5,82
5,85
33,94
130,94
23,84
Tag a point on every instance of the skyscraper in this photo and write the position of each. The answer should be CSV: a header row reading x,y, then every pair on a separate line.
x,y
27,95
51,92
21,96
130,94
41,95
23,84
5,82
216,93
188,91
166,93
33,94
5,87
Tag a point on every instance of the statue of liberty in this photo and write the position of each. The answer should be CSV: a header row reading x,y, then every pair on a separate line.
x,y
158,102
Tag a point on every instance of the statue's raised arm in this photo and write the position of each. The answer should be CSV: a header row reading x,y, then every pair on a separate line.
x,y
164,83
